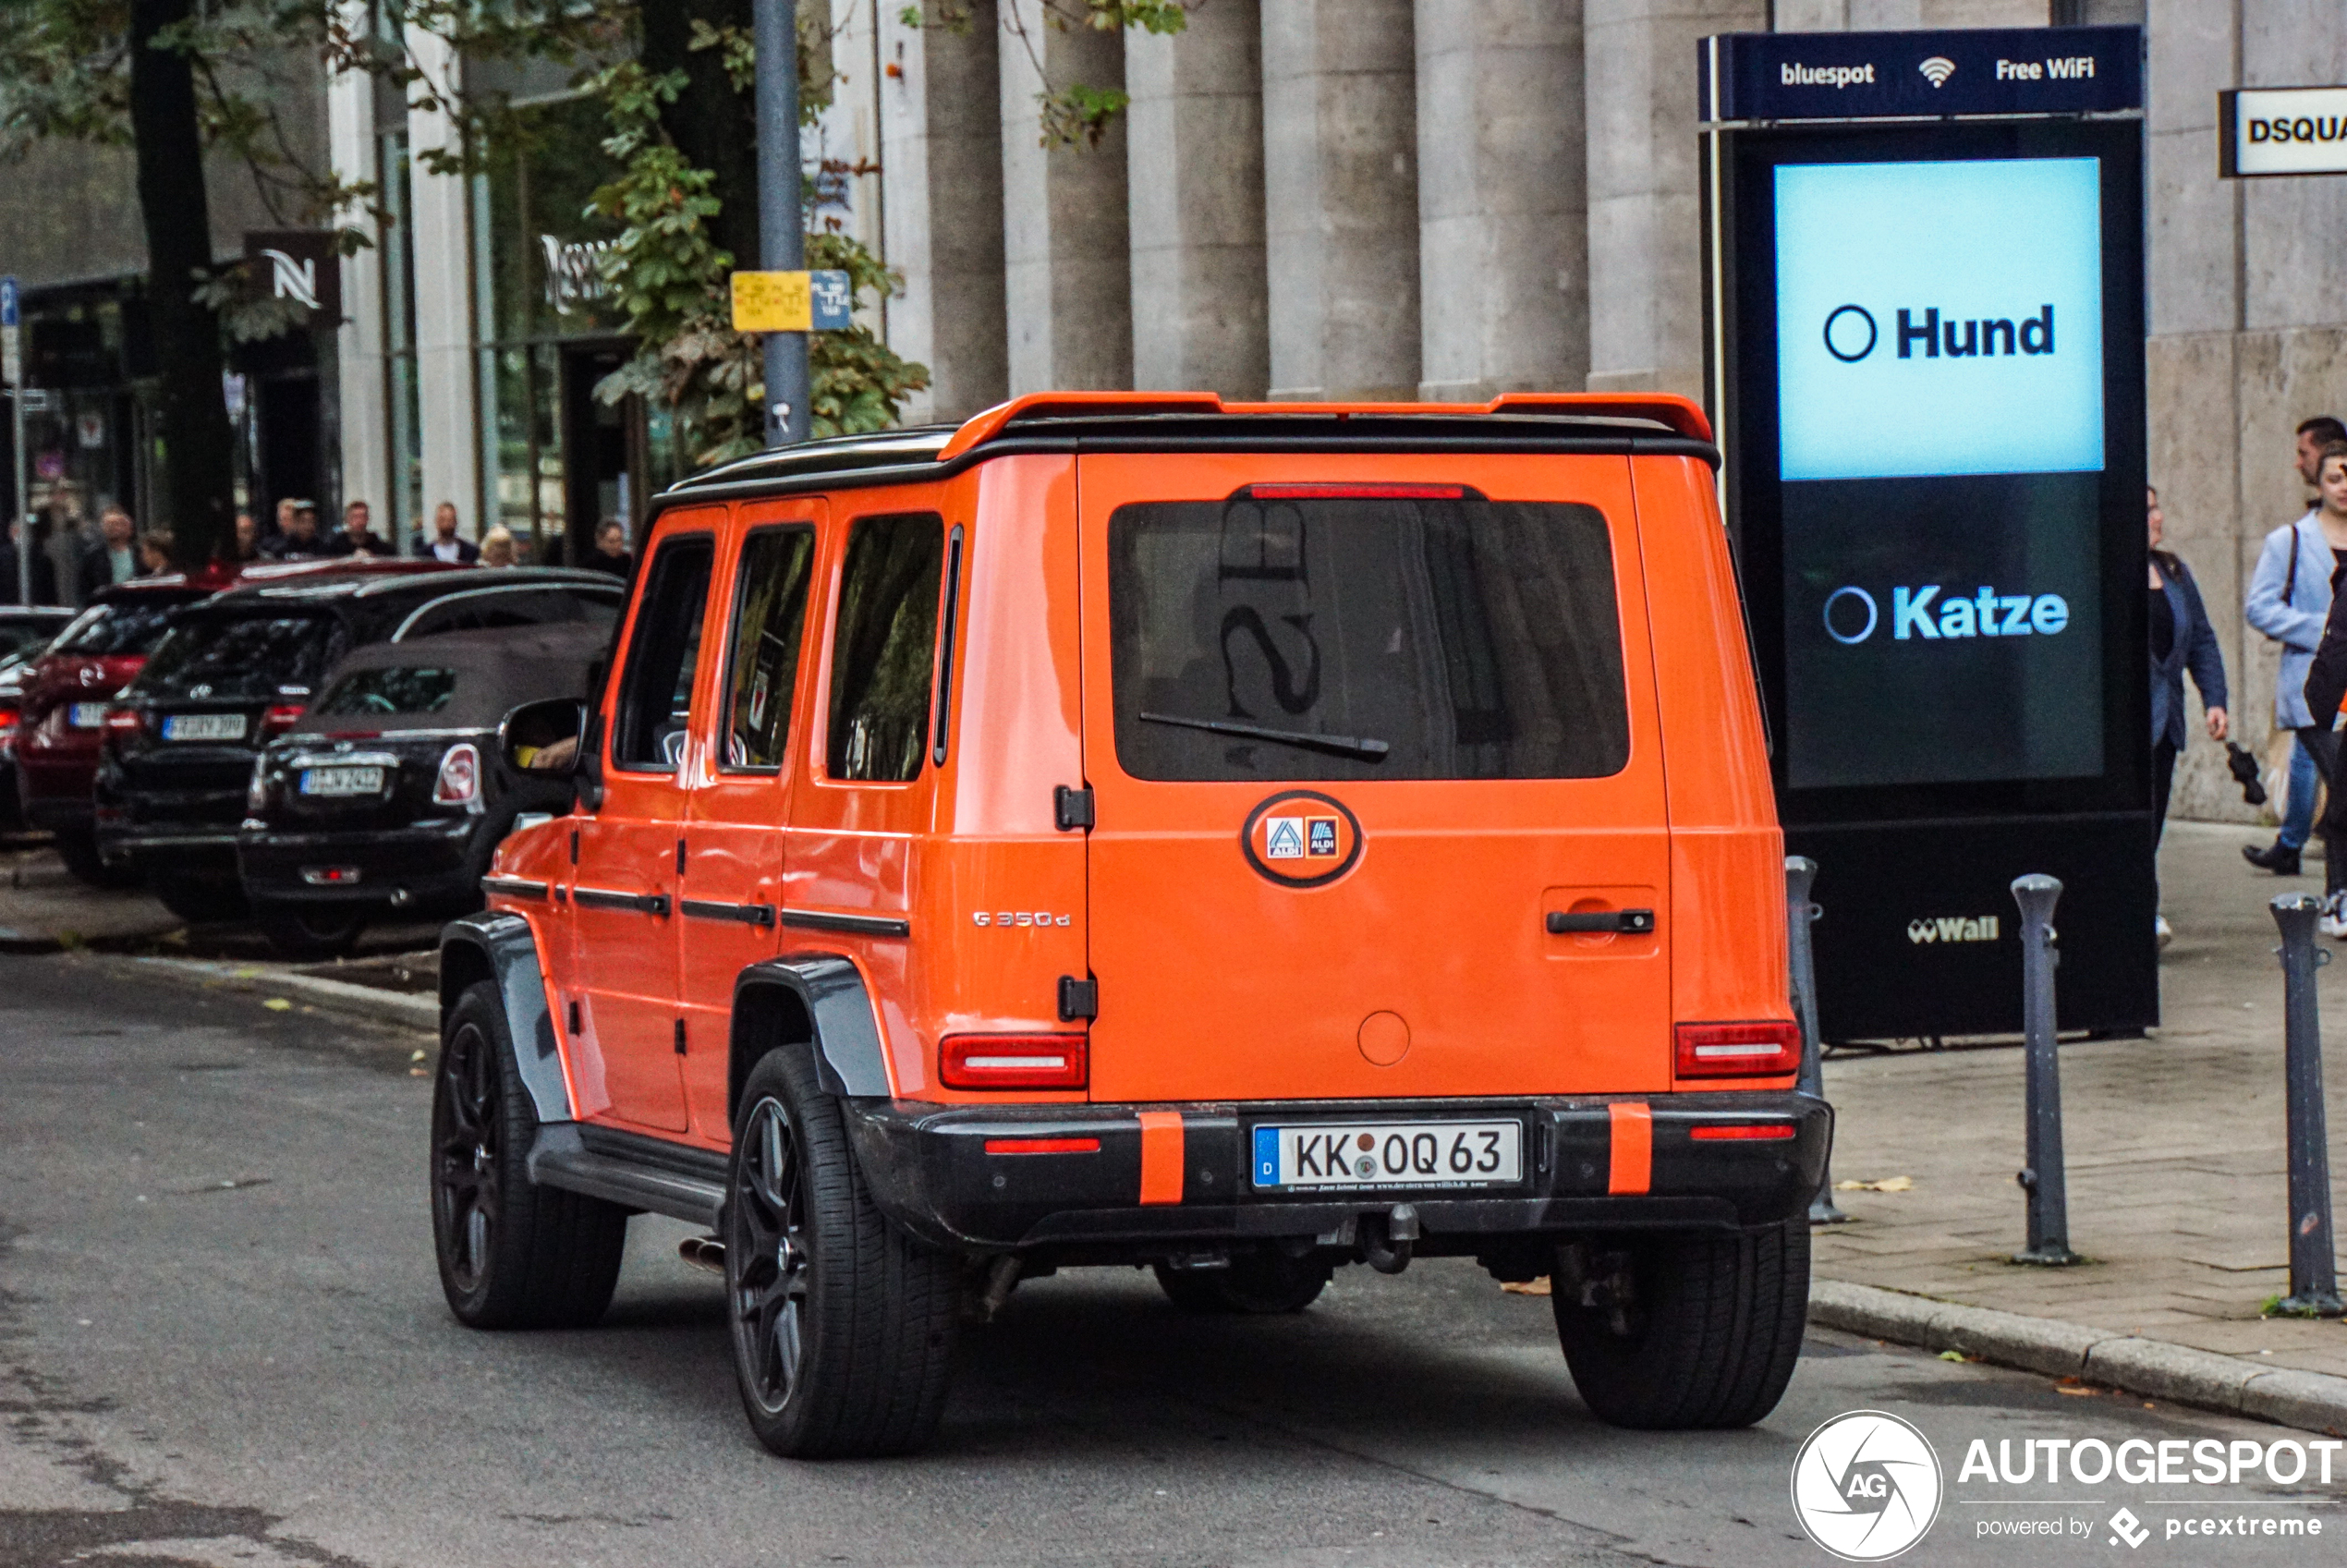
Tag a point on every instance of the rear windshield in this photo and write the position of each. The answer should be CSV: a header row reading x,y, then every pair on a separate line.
x,y
385,692
1427,635
117,630
244,656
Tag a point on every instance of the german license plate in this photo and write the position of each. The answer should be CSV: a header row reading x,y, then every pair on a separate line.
x,y
1390,1154
341,781
86,715
205,726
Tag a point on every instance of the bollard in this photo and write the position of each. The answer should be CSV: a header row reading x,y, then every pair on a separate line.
x,y
1800,871
2042,1180
2314,1270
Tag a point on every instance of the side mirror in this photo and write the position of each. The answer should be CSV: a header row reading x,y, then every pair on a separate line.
x,y
541,740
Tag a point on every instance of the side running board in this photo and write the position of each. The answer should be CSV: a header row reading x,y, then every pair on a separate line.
x,y
685,1184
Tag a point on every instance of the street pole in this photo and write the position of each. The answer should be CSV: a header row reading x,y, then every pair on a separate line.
x,y
2314,1269
12,370
2043,1179
782,223
1800,871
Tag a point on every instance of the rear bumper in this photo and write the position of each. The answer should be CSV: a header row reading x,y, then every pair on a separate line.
x,y
929,1169
430,864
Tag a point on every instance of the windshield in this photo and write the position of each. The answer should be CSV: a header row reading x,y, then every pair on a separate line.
x,y
1364,632
118,629
381,693
244,656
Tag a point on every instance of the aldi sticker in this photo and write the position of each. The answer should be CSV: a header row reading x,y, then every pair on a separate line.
x,y
1283,838
1320,837
1300,838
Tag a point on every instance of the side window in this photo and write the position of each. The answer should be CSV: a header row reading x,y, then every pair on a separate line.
x,y
656,694
770,621
884,648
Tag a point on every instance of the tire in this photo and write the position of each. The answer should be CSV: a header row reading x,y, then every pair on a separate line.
x,y
1714,1328
310,930
842,1325
1263,1285
78,849
201,900
513,1255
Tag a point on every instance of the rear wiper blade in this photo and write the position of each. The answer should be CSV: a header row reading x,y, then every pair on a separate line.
x,y
1334,745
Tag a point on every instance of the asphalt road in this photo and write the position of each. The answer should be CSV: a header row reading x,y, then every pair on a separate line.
x,y
223,1342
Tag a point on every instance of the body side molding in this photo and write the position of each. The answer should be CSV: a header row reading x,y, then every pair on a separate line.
x,y
849,1059
508,948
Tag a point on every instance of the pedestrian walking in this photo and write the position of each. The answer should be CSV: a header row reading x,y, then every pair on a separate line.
x,y
154,552
610,554
247,544
301,541
2182,639
444,545
44,578
498,549
110,558
65,538
2289,600
2326,687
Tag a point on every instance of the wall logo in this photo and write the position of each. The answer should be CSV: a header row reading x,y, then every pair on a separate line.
x,y
1952,928
1867,1485
1852,614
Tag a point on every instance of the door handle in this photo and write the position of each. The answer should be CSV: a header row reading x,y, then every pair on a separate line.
x,y
1626,922
747,913
604,898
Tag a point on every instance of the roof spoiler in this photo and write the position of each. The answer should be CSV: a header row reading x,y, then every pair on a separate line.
x,y
1678,414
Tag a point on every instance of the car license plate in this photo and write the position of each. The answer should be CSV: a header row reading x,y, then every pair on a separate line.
x,y
205,726
1390,1154
86,715
341,781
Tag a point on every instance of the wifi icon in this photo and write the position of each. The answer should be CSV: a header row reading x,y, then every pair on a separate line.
x,y
1938,69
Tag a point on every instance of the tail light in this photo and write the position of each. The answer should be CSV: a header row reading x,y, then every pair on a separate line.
x,y
459,780
122,722
8,723
1769,1049
1764,1131
279,718
1013,1062
257,788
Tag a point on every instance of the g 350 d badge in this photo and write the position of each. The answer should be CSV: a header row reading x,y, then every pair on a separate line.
x,y
1301,838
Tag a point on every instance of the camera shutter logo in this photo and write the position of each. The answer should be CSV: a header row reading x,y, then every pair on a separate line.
x,y
1850,333
1867,1485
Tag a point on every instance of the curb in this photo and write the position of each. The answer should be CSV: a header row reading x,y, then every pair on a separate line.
x,y
383,1006
2314,1401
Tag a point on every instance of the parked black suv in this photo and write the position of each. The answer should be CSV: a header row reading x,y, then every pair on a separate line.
x,y
390,792
181,744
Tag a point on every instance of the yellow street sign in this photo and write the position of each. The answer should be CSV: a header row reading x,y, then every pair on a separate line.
x,y
773,302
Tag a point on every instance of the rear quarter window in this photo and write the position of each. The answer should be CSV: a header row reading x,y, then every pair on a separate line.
x,y
389,691
491,609
1435,635
243,656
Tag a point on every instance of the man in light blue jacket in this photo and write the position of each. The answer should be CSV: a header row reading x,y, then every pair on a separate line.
x,y
2289,598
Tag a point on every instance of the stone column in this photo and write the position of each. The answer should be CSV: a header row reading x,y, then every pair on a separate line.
x,y
941,149
1196,172
1504,253
440,231
362,414
1066,255
1341,197
1646,246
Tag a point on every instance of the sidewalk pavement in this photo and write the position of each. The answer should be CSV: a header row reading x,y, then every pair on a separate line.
x,y
2175,1147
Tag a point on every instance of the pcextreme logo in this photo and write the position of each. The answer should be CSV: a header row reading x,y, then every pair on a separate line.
x,y
1867,1485
1952,928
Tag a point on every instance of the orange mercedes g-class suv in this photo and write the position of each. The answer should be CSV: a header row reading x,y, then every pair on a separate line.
x,y
1244,840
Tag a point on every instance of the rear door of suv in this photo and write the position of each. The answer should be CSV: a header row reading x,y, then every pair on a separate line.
x,y
1379,783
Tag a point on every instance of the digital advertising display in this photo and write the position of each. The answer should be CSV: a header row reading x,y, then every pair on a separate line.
x,y
1940,396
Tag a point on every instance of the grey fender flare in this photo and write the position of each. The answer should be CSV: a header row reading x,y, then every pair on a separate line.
x,y
502,948
849,1058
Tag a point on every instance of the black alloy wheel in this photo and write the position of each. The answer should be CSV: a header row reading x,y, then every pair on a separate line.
x,y
766,1231
842,1324
512,1254
467,1128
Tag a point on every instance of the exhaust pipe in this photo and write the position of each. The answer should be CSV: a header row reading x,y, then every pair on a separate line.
x,y
703,1252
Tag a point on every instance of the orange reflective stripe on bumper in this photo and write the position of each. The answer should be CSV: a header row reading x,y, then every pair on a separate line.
x,y
1632,1163
1160,1157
